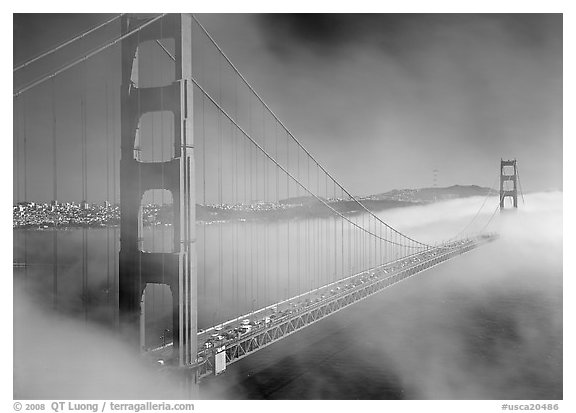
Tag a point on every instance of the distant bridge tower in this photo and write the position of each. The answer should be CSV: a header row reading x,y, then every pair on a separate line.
x,y
137,268
508,182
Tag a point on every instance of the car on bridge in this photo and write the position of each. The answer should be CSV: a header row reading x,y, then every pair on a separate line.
x,y
231,334
217,337
208,344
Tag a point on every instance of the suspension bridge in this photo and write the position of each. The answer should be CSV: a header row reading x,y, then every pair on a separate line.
x,y
156,191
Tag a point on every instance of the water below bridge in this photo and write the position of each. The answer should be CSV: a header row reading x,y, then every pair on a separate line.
x,y
487,325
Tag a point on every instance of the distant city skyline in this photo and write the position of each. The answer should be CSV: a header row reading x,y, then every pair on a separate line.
x,y
43,215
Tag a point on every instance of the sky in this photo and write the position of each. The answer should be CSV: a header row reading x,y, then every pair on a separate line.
x,y
385,99
381,100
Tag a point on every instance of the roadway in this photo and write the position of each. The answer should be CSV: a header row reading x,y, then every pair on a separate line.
x,y
247,333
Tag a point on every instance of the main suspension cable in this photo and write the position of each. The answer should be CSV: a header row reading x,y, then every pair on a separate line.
x,y
94,52
294,138
219,107
520,184
66,43
289,175
477,212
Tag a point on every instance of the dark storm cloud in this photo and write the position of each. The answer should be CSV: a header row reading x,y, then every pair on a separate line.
x,y
435,88
393,33
329,33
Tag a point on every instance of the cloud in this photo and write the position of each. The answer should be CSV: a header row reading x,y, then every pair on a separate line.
x,y
400,35
59,357
487,325
455,91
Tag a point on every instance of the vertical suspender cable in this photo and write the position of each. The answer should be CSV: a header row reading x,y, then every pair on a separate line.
x,y
288,225
266,226
277,172
153,207
55,206
17,127
244,229
298,228
25,131
328,244
220,200
309,208
251,164
335,234
376,231
106,205
137,151
84,195
350,229
342,239
163,186
319,233
115,209
204,226
17,166
256,200
234,202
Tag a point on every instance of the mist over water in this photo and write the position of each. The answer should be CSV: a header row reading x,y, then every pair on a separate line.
x,y
487,324
58,357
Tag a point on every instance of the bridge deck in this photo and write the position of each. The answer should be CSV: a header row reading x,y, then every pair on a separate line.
x,y
231,342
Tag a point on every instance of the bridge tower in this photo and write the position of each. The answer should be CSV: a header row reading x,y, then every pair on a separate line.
x,y
508,182
137,268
